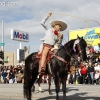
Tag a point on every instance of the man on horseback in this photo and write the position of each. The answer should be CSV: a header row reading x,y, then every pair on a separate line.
x,y
52,37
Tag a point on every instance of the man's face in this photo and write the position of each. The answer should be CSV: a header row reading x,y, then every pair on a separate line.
x,y
58,27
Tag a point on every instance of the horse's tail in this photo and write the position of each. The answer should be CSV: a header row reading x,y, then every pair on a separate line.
x,y
27,78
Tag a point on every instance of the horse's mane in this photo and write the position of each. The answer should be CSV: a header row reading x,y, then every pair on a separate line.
x,y
66,47
69,43
73,40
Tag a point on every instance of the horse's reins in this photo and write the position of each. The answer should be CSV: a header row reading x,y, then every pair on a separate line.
x,y
79,48
60,58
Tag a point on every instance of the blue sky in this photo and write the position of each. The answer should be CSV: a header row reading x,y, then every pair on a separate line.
x,y
26,15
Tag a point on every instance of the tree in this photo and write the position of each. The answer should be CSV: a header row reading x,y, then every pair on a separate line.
x,y
25,48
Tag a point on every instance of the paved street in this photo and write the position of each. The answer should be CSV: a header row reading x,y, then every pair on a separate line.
x,y
73,92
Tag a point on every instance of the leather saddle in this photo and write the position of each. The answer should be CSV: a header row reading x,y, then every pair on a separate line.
x,y
48,59
49,56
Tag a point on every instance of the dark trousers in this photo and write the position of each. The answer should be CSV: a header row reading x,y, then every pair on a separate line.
x,y
83,77
90,80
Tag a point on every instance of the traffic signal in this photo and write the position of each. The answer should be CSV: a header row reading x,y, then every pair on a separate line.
x,y
1,55
1,62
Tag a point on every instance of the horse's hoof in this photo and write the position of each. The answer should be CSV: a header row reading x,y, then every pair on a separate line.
x,y
33,90
50,93
29,99
42,91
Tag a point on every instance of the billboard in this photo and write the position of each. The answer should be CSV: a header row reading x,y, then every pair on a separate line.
x,y
91,35
19,35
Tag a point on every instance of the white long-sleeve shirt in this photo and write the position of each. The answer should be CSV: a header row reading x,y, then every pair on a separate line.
x,y
50,37
96,75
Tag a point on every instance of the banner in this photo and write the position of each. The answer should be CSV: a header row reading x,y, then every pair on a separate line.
x,y
91,35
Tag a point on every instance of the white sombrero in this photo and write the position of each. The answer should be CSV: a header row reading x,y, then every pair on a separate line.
x,y
59,22
42,39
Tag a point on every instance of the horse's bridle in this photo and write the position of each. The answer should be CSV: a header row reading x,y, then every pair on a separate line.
x,y
79,48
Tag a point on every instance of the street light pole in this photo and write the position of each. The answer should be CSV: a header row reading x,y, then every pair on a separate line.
x,y
3,41
2,34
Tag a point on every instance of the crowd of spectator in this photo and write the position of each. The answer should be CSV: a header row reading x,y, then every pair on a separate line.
x,y
11,74
86,72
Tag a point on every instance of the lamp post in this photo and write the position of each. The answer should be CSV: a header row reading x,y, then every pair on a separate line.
x,y
2,42
2,34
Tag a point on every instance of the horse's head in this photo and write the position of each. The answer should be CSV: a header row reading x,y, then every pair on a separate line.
x,y
77,46
80,46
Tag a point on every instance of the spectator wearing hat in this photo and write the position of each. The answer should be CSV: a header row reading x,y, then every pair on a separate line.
x,y
51,37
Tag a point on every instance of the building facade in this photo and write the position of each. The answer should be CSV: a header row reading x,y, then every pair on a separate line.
x,y
10,58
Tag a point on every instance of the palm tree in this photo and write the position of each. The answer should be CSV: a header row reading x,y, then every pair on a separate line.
x,y
25,48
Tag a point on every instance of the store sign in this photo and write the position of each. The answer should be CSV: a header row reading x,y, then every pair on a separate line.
x,y
19,35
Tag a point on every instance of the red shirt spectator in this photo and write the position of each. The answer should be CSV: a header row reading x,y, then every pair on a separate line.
x,y
81,66
84,70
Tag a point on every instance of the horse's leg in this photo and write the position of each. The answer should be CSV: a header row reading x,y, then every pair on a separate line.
x,y
57,87
27,87
30,87
49,82
64,87
29,95
33,88
39,81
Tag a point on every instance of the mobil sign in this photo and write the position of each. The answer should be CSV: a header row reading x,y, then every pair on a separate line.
x,y
19,35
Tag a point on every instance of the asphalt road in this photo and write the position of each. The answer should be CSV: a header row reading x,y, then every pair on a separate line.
x,y
73,92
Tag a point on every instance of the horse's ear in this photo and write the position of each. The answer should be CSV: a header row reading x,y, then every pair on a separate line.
x,y
82,37
78,37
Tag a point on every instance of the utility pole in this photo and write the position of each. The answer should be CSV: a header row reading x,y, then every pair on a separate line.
x,y
3,42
